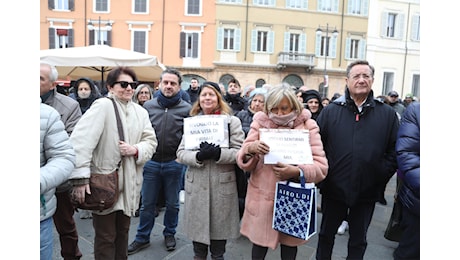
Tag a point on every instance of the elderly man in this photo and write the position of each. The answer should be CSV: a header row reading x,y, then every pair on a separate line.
x,y
359,137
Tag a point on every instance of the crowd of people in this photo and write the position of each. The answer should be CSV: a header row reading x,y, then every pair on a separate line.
x,y
358,142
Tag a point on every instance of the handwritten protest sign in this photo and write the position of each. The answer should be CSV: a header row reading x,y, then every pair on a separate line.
x,y
291,146
209,128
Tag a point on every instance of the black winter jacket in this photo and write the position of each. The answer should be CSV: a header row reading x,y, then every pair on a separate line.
x,y
408,156
169,127
360,148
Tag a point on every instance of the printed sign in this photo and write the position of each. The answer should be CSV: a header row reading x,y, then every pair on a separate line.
x,y
291,146
209,128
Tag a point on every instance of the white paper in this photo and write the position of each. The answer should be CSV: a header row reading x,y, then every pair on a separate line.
x,y
290,146
209,128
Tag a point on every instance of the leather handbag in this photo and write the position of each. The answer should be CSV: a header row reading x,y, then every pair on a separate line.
x,y
104,187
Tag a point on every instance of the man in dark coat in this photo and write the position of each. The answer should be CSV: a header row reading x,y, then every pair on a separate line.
x,y
359,136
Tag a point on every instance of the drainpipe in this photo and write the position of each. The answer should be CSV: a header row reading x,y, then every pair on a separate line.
x,y
341,33
163,32
84,23
246,36
405,50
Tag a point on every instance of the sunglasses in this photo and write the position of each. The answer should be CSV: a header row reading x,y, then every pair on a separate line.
x,y
124,84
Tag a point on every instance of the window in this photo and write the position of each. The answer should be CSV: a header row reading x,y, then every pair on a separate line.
x,y
297,4
260,83
193,7
140,41
60,38
228,39
388,79
293,80
100,36
392,25
262,41
232,1
224,79
416,85
358,7
101,6
264,2
141,6
331,6
189,44
295,42
61,5
355,48
326,46
415,30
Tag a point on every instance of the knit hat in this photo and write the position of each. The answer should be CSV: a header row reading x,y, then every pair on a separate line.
x,y
393,93
212,84
309,94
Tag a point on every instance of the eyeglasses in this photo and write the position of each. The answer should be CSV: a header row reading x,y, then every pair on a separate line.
x,y
144,93
393,96
124,84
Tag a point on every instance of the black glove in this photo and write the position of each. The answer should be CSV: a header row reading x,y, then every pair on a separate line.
x,y
208,151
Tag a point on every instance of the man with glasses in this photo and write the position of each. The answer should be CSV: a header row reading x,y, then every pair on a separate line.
x,y
163,171
359,138
395,103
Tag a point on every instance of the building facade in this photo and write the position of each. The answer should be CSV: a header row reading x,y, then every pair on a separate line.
x,y
301,42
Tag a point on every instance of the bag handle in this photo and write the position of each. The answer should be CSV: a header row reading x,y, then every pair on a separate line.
x,y
302,182
119,125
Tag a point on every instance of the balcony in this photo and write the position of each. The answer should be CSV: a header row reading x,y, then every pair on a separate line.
x,y
292,59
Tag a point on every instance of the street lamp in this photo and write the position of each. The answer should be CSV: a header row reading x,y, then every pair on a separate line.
x,y
335,33
108,27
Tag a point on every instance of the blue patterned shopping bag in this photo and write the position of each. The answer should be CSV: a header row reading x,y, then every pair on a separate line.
x,y
294,210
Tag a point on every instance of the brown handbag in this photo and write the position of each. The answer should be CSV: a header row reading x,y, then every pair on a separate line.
x,y
104,187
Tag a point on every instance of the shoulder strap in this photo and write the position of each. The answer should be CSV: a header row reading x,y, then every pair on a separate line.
x,y
119,125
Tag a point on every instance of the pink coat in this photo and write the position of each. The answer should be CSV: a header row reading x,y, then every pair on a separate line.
x,y
256,223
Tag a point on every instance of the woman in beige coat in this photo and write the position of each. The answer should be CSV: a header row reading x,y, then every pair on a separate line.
x,y
281,110
211,200
98,149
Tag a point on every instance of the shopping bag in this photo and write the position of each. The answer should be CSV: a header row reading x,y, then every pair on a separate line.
x,y
294,210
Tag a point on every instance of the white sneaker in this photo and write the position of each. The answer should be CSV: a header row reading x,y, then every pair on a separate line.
x,y
182,196
343,227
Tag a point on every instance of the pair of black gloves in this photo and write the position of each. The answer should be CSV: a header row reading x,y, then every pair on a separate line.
x,y
208,151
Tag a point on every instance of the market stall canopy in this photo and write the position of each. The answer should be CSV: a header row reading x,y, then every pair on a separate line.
x,y
96,61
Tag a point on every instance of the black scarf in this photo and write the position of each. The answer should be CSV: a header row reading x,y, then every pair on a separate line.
x,y
168,102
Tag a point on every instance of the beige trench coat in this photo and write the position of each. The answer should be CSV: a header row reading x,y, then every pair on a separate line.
x,y
95,140
211,199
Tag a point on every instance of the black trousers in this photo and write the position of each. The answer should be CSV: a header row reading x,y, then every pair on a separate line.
x,y
409,244
359,219
217,249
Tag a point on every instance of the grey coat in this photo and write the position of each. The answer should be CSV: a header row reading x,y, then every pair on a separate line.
x,y
57,158
211,199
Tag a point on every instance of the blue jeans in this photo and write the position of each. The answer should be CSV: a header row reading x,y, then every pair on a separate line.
x,y
46,239
156,175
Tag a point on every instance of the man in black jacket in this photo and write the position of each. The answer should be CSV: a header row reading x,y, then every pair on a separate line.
x,y
167,112
359,136
193,90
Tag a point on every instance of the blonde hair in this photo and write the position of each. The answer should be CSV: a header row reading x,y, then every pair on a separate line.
x,y
222,105
277,93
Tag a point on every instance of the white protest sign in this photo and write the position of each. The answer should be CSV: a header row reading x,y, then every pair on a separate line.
x,y
209,128
291,146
